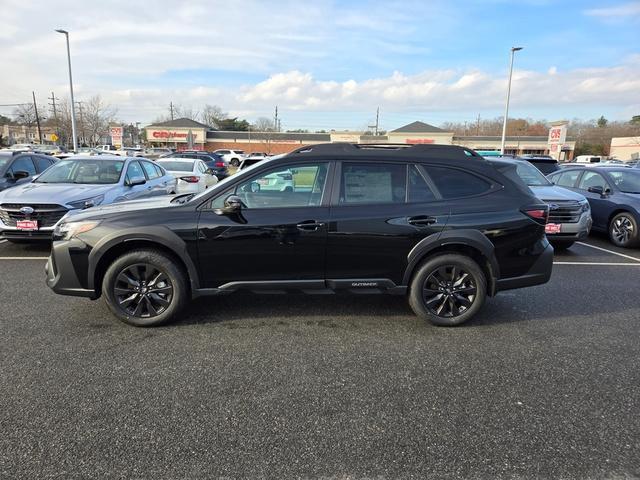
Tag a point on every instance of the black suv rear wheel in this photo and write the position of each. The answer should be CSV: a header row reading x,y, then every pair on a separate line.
x,y
144,288
448,290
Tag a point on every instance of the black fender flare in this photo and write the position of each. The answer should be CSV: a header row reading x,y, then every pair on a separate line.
x,y
466,237
156,234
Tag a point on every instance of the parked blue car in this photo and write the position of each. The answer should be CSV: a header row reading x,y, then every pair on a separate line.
x,y
614,196
32,210
17,168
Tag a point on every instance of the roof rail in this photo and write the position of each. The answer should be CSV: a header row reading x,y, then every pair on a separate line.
x,y
429,150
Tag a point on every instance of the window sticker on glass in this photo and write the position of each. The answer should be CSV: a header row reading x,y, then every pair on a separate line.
x,y
368,187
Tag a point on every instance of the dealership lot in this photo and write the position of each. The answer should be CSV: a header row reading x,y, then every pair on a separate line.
x,y
543,382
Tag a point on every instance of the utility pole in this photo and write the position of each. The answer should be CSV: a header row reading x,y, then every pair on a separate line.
x,y
35,107
79,102
171,109
478,126
275,119
55,114
377,120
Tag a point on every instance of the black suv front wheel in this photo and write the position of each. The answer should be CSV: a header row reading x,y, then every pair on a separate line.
x,y
448,289
144,288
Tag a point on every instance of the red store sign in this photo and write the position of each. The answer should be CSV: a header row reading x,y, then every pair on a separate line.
x,y
167,134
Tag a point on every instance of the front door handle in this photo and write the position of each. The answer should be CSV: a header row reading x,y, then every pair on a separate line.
x,y
311,225
422,220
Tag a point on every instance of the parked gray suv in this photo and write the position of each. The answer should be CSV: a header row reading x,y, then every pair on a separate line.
x,y
569,212
32,210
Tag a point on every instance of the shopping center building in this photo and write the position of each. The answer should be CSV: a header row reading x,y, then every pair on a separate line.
x,y
176,134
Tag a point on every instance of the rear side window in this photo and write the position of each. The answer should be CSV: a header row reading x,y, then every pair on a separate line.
x,y
545,167
567,179
454,183
159,170
368,183
42,163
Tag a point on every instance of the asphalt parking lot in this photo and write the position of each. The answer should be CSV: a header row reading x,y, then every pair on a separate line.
x,y
544,383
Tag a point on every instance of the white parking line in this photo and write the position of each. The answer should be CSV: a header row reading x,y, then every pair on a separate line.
x,y
606,264
24,258
609,251
2,241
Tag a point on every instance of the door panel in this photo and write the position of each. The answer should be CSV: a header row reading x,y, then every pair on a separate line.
x,y
277,235
372,227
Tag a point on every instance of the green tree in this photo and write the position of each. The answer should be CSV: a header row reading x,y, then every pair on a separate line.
x,y
602,122
635,120
233,125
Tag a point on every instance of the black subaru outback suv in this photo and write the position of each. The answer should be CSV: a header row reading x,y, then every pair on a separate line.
x,y
438,224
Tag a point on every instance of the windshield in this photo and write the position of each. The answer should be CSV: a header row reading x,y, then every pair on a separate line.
x,y
92,172
626,181
531,175
175,165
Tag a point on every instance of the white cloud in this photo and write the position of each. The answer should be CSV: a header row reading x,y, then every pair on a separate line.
x,y
618,11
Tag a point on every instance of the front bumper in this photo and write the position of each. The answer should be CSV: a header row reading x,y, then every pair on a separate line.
x,y
66,269
539,273
574,231
8,233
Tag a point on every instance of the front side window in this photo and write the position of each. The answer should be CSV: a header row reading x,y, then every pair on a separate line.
x,y
373,183
283,187
150,170
567,179
455,183
592,179
23,164
134,171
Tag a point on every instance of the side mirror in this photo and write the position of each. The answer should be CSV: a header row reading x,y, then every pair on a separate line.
x,y
20,174
132,182
597,190
232,205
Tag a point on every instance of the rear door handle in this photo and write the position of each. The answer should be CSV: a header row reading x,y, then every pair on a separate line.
x,y
309,225
422,220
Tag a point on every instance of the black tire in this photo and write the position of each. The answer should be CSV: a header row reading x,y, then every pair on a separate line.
x,y
623,230
161,291
434,295
235,162
560,245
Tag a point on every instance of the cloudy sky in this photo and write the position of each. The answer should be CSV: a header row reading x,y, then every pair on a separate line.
x,y
329,64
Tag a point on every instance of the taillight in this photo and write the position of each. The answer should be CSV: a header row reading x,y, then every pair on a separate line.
x,y
539,213
219,164
190,179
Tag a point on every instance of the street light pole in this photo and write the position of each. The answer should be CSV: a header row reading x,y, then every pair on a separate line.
x,y
73,104
506,107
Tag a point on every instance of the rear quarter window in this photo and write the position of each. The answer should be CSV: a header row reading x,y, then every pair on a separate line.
x,y
456,183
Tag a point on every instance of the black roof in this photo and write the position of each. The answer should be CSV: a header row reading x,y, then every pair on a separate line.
x,y
181,123
388,150
418,127
270,136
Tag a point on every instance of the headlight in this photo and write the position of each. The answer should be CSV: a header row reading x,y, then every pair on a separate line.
x,y
585,206
87,202
66,231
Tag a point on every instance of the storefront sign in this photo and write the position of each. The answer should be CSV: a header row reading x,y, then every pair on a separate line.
x,y
116,134
416,141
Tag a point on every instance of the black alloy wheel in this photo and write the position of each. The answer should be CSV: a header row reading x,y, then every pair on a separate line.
x,y
623,230
143,290
449,291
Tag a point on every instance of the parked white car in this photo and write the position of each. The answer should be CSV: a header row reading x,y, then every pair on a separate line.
x,y
192,175
232,157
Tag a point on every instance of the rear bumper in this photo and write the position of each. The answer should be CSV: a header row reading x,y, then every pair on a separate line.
x,y
539,273
62,277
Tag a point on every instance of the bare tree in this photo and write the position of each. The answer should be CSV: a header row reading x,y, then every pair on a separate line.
x,y
212,115
264,124
96,116
180,111
25,114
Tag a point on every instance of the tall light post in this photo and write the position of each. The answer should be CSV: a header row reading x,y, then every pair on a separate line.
x,y
506,107
73,103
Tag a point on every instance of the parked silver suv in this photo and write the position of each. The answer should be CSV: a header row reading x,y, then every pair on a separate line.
x,y
569,212
31,211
